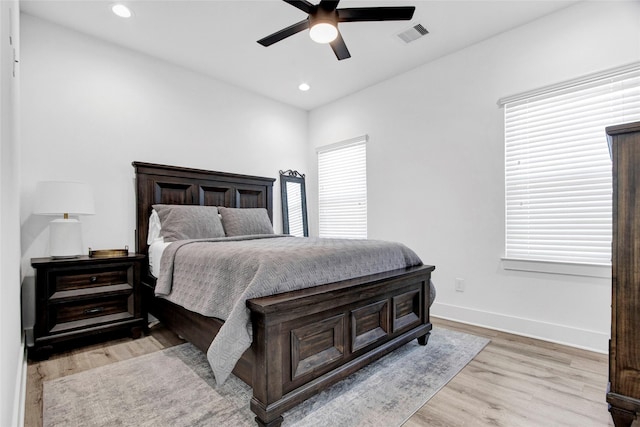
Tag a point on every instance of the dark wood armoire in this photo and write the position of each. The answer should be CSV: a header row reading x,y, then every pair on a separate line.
x,y
623,395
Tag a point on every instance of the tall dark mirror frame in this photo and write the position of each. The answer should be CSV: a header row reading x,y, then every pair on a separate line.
x,y
294,203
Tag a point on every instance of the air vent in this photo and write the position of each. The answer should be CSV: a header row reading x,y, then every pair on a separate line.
x,y
413,33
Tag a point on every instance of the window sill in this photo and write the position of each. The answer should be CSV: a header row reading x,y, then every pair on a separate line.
x,y
572,269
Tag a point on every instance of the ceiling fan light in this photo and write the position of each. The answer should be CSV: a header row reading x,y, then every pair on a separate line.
x,y
323,32
121,10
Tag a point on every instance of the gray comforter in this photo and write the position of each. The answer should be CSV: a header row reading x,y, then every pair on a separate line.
x,y
215,277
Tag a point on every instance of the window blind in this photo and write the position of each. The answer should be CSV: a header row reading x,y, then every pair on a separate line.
x,y
558,169
342,181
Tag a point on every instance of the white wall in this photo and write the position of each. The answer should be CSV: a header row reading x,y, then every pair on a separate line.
x,y
435,167
90,108
12,366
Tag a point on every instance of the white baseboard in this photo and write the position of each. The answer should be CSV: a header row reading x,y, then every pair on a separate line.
x,y
561,334
19,399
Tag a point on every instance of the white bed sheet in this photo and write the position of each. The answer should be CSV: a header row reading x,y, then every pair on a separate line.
x,y
155,255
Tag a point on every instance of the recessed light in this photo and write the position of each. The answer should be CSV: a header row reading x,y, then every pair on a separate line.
x,y
304,87
121,10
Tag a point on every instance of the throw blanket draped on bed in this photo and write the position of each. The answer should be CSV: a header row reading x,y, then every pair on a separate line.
x,y
215,277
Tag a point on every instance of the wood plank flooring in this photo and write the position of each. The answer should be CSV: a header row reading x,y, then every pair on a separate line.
x,y
514,381
517,381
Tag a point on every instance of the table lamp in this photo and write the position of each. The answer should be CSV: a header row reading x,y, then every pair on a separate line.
x,y
64,198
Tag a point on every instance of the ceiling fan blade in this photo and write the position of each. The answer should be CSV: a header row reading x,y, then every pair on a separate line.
x,y
303,5
340,48
328,5
284,33
354,14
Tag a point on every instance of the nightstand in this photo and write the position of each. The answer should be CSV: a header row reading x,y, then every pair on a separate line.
x,y
81,297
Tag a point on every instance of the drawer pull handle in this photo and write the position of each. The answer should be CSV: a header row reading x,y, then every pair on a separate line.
x,y
94,310
93,279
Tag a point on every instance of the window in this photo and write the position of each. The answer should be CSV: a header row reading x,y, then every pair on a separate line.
x,y
342,182
558,169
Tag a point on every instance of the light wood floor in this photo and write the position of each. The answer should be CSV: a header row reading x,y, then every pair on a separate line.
x,y
514,381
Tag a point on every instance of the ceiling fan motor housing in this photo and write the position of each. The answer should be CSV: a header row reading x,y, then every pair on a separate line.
x,y
324,16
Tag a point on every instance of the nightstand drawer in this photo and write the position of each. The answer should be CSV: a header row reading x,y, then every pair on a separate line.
x,y
76,314
66,281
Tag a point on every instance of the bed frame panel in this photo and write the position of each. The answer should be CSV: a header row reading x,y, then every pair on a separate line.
x,y
303,341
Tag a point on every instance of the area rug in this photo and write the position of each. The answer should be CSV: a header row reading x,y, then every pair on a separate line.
x,y
175,387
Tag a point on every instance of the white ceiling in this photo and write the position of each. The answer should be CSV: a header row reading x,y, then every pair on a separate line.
x,y
218,38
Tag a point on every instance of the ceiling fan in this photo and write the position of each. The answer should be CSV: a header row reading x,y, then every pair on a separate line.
x,y
323,19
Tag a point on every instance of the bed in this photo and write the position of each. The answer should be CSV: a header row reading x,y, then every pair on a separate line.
x,y
302,340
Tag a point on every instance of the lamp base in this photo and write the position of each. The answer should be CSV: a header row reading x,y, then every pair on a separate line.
x,y
65,239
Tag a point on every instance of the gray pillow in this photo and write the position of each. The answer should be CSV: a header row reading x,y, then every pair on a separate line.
x,y
181,222
242,222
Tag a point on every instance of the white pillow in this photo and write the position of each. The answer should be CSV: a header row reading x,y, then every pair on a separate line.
x,y
154,228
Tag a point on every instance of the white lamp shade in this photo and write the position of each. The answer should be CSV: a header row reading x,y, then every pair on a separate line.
x,y
64,197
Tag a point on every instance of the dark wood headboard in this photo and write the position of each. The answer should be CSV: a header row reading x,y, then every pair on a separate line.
x,y
176,185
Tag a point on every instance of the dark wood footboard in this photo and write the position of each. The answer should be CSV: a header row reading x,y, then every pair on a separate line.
x,y
306,340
